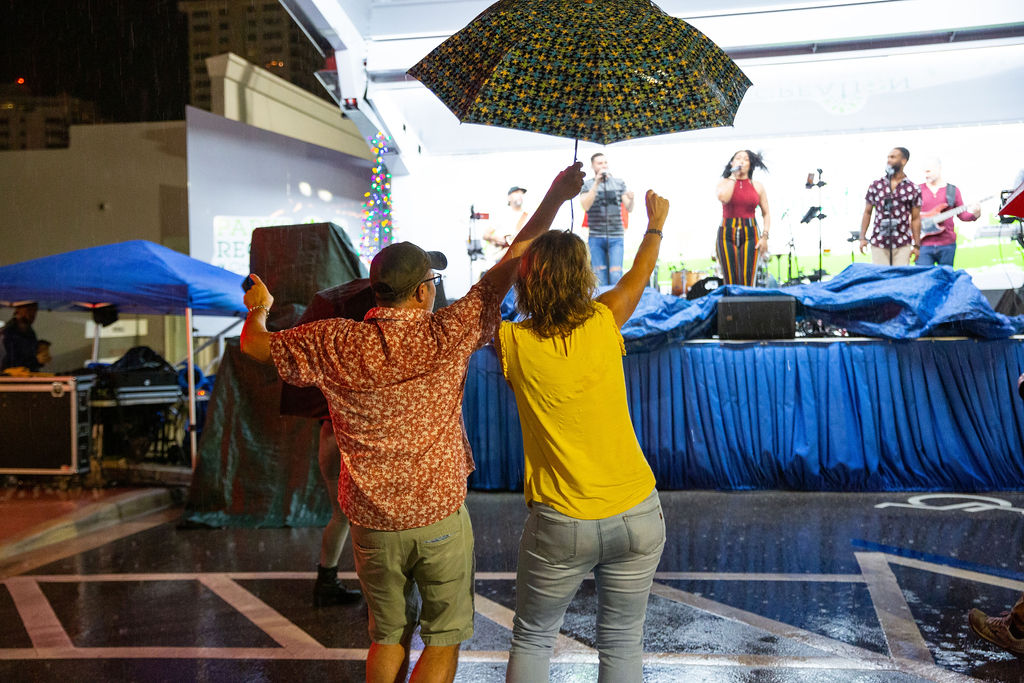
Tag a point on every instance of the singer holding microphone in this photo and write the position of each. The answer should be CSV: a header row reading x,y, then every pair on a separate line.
x,y
604,198
896,233
738,245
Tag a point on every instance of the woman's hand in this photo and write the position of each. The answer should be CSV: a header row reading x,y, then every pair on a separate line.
x,y
568,183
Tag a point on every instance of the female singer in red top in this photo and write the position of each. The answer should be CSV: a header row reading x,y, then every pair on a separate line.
x,y
738,244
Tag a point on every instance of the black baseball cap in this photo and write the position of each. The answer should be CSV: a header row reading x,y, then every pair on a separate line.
x,y
398,268
515,188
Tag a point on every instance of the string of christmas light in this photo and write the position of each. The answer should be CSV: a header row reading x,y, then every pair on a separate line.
x,y
377,226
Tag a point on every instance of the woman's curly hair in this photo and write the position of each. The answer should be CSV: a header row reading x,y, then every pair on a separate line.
x,y
556,285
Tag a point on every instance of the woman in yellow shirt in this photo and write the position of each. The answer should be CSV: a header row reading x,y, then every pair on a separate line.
x,y
593,505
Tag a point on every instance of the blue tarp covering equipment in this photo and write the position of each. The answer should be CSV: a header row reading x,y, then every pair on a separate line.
x,y
867,300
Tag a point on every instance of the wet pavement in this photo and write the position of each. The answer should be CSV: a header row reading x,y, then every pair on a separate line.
x,y
23,508
753,586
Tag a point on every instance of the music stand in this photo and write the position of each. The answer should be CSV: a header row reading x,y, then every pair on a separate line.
x,y
811,214
852,239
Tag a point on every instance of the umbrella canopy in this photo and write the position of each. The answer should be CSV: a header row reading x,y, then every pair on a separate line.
x,y
601,70
136,276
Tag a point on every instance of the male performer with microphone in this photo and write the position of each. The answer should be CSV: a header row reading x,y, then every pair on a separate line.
x,y
603,198
896,233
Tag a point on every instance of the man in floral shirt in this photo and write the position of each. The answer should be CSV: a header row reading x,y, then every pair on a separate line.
x,y
896,232
394,384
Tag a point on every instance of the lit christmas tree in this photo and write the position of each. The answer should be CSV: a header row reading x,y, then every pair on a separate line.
x,y
377,225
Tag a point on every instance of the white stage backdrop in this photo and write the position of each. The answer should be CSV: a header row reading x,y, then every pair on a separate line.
x,y
241,177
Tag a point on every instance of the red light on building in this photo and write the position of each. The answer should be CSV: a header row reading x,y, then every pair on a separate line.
x,y
21,81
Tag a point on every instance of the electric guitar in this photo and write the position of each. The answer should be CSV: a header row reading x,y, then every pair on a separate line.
x,y
930,221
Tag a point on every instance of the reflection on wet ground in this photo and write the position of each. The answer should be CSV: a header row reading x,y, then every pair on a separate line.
x,y
755,586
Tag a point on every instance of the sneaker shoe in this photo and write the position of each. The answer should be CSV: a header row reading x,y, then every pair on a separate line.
x,y
997,630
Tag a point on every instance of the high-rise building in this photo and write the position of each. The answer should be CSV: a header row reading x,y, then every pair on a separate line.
x,y
28,121
261,31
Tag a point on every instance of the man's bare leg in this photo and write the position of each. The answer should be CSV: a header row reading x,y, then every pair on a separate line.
x,y
336,531
388,663
437,664
328,590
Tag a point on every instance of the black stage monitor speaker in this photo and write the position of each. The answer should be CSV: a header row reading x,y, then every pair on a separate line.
x,y
757,317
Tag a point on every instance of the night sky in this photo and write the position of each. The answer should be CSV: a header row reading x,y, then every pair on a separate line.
x,y
130,57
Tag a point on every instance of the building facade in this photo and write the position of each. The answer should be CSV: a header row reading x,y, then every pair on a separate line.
x,y
31,122
260,31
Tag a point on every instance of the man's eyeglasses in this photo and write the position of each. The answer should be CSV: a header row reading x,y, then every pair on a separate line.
x,y
436,278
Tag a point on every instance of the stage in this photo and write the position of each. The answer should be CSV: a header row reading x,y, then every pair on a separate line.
x,y
902,405
831,414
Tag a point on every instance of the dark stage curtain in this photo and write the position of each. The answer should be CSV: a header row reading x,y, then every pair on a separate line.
x,y
839,416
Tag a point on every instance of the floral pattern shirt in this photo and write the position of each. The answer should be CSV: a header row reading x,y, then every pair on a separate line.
x,y
898,205
394,383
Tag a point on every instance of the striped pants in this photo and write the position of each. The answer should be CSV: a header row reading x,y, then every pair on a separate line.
x,y
736,247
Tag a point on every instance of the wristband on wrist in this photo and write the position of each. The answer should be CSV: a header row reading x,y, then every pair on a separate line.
x,y
266,309
652,231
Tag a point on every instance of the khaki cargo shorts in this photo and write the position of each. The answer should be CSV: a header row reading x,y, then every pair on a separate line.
x,y
436,559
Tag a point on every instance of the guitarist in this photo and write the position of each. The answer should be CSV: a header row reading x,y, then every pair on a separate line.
x,y
936,196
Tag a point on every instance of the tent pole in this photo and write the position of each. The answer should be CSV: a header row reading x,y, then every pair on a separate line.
x,y
96,343
190,365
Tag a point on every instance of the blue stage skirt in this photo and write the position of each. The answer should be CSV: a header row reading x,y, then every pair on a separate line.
x,y
852,415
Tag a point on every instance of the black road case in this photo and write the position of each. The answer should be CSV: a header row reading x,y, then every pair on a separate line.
x,y
45,425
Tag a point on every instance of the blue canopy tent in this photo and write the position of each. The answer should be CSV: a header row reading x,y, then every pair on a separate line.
x,y
137,277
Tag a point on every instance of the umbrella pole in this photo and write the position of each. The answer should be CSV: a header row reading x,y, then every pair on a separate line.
x,y
575,158
190,365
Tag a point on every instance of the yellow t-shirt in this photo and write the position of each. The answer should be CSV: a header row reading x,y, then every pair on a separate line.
x,y
582,456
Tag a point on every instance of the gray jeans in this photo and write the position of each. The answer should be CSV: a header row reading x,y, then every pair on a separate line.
x,y
555,554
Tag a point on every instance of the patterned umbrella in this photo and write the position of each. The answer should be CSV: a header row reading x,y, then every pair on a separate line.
x,y
597,70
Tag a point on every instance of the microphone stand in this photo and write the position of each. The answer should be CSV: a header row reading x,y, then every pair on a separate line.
x,y
791,259
778,257
790,256
474,247
890,233
820,216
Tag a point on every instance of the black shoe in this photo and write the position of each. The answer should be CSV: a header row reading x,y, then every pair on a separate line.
x,y
329,590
